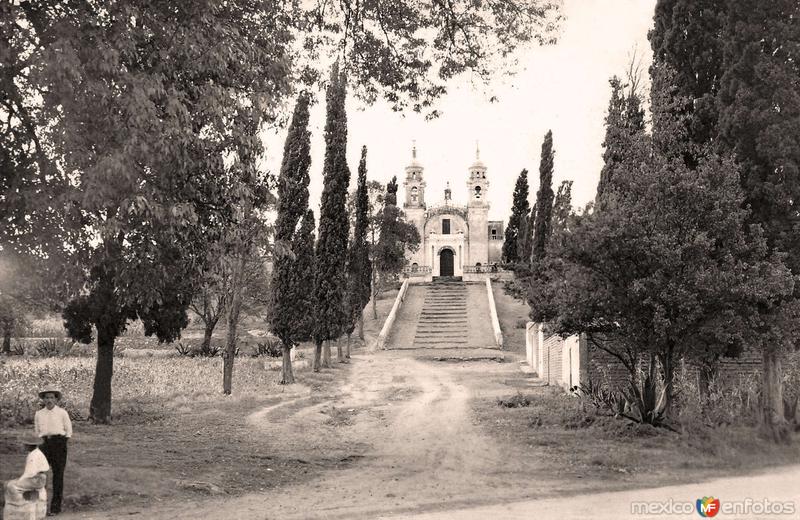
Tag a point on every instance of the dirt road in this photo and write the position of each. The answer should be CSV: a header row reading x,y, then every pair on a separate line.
x,y
407,441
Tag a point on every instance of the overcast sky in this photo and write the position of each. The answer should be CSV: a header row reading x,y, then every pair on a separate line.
x,y
563,87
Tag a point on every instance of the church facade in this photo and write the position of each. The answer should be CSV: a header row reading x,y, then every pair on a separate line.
x,y
455,239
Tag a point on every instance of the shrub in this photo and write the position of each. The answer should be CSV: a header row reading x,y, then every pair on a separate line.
x,y
206,351
270,347
517,401
189,350
728,401
183,350
54,347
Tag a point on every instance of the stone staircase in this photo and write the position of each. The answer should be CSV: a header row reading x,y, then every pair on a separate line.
x,y
442,322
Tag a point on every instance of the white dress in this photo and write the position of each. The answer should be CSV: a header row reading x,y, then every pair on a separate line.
x,y
26,497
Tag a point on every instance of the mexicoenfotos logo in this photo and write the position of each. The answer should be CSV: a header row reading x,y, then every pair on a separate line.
x,y
708,507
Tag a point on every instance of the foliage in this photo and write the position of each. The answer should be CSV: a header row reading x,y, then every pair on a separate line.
x,y
600,395
544,199
687,38
289,277
396,237
184,350
54,347
646,401
624,126
331,250
517,222
732,72
516,401
302,307
202,350
359,267
525,236
409,52
269,347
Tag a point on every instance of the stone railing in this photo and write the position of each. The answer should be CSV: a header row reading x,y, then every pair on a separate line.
x,y
421,270
482,269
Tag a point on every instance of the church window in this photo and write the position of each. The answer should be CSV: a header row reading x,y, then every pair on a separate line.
x,y
445,226
494,234
414,194
477,192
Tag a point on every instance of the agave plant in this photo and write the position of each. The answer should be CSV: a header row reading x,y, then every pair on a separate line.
x,y
646,402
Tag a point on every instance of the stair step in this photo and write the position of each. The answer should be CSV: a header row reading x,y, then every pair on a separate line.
x,y
443,341
441,333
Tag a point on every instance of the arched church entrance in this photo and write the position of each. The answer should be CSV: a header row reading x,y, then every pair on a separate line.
x,y
446,263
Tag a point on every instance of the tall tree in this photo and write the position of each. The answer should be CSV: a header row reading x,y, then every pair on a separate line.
x,y
247,238
359,267
525,237
215,283
303,269
331,253
139,133
292,204
376,193
624,125
519,212
759,121
396,238
687,38
544,198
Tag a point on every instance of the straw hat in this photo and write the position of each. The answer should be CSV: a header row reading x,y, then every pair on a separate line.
x,y
50,391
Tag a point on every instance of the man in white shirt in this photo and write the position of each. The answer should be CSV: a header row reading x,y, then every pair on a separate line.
x,y
53,425
27,496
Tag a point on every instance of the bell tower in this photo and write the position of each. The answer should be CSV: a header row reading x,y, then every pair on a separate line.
x,y
478,211
414,205
477,184
414,184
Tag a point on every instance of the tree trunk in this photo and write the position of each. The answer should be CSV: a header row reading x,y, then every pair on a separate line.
x,y
7,340
326,354
772,420
374,295
340,351
667,363
317,352
100,406
229,354
361,326
347,350
287,376
209,330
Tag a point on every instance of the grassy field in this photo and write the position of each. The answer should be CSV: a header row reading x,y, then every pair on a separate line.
x,y
580,444
513,315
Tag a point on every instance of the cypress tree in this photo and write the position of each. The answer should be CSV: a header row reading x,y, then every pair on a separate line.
x,y
359,267
292,203
612,144
686,38
519,211
759,107
331,252
544,199
302,307
624,128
